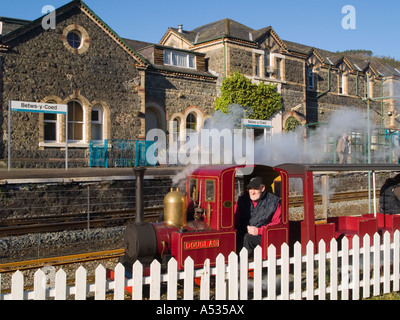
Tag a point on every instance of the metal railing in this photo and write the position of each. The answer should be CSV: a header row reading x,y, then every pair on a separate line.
x,y
112,153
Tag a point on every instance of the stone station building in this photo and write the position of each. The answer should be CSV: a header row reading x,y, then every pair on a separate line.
x,y
118,88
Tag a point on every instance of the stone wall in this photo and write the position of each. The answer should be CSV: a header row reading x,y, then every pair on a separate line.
x,y
179,93
40,66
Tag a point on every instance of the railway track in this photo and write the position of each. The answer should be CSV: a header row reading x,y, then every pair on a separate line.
x,y
43,224
17,227
61,261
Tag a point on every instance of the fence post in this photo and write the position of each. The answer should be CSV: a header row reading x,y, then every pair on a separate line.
x,y
297,271
322,270
396,260
205,281
345,268
189,277
100,282
137,283
285,264
119,281
61,285
377,269
272,272
356,269
172,280
310,271
155,287
334,270
17,286
258,273
233,276
366,266
39,285
386,262
244,274
80,283
220,283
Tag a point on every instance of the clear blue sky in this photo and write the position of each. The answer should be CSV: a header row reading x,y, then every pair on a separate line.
x,y
315,23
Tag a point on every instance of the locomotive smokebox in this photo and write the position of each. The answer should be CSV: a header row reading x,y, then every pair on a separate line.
x,y
175,209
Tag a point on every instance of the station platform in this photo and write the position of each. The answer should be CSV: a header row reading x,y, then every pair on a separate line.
x,y
14,176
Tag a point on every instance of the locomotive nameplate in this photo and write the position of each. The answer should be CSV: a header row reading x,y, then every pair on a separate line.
x,y
201,244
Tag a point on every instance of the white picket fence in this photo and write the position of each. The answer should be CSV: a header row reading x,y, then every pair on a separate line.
x,y
372,269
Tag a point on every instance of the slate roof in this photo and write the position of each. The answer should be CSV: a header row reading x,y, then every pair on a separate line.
x,y
233,29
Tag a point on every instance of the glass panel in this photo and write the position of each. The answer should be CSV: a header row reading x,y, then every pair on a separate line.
x,y
167,57
50,131
50,116
191,122
210,191
71,111
179,59
95,115
97,132
74,40
70,131
192,61
78,131
78,113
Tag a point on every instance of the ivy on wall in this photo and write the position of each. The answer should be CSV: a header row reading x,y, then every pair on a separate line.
x,y
263,99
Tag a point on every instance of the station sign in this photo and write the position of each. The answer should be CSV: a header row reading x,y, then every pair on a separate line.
x,y
257,123
39,107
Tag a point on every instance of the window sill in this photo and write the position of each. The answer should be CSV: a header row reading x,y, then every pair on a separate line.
x,y
62,145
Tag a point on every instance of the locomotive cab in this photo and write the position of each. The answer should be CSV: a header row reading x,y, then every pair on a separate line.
x,y
212,193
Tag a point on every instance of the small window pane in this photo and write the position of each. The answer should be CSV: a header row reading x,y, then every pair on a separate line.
x,y
97,132
95,115
74,40
192,61
50,133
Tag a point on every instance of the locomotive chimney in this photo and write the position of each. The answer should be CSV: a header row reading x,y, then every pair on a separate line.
x,y
139,173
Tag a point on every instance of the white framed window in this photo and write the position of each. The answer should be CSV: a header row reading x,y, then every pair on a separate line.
x,y
97,123
179,59
75,122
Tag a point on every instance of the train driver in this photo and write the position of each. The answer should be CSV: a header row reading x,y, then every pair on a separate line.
x,y
254,210
389,199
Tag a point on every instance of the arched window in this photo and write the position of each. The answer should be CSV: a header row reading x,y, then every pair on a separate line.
x,y
75,122
191,121
97,123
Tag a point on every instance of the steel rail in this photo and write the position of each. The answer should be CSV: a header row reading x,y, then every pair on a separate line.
x,y
60,261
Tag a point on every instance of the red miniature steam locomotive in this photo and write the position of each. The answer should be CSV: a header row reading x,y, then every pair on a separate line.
x,y
209,203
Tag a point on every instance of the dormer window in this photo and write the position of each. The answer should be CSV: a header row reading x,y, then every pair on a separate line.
x,y
179,59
